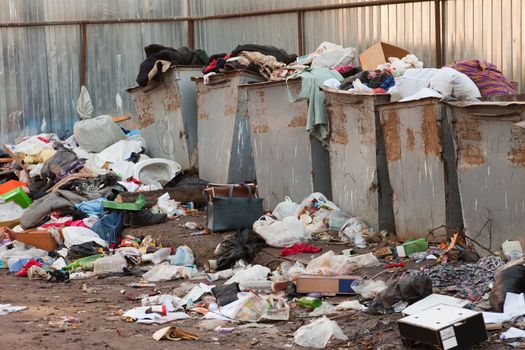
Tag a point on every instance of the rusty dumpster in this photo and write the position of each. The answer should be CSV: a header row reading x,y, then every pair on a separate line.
x,y
225,149
420,160
167,115
288,161
490,151
358,167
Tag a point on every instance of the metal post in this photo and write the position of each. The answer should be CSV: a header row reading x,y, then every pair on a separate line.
x,y
438,29
300,32
83,55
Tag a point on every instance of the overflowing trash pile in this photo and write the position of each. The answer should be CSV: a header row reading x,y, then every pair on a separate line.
x,y
67,213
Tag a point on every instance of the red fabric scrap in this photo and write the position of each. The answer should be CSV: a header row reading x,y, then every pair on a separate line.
x,y
23,271
298,249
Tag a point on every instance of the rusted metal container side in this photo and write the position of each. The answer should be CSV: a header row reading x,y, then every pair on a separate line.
x,y
225,149
358,167
490,151
413,142
288,161
167,115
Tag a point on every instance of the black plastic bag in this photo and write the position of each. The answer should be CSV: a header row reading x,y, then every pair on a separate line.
x,y
409,288
226,294
244,244
82,250
510,280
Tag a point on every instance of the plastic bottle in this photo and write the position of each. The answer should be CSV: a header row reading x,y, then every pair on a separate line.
x,y
309,302
157,257
85,263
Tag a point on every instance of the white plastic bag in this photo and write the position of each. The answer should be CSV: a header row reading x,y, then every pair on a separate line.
x,y
10,211
166,272
353,231
167,206
253,273
325,309
318,333
451,83
334,56
183,256
84,105
411,82
286,208
280,233
368,289
95,134
75,235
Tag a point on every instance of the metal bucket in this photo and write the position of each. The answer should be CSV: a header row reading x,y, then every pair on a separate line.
x,y
167,115
288,161
490,151
358,167
225,150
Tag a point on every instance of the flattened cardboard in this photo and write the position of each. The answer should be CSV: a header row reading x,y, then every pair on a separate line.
x,y
325,285
379,54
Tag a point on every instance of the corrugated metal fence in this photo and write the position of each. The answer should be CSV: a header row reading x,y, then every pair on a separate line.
x,y
40,66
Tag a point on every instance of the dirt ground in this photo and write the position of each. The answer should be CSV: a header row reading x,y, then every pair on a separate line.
x,y
98,303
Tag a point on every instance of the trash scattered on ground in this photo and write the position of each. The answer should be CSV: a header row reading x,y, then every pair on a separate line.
x,y
173,333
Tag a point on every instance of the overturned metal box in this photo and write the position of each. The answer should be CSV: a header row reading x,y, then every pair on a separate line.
x,y
490,151
420,160
167,115
225,149
359,172
288,161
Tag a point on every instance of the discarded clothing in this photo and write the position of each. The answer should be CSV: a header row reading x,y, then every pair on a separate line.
x,y
489,80
64,162
267,50
38,212
312,79
94,187
92,208
265,64
158,55
298,249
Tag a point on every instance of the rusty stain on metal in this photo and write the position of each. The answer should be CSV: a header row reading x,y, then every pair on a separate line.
x,y
260,128
365,125
516,154
145,111
411,140
430,131
338,121
202,115
298,122
468,129
171,103
471,155
392,139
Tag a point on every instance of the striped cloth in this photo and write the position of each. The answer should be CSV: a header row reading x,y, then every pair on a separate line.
x,y
487,77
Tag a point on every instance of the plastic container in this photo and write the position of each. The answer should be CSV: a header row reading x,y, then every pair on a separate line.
x,y
18,196
11,185
309,302
412,246
109,264
85,263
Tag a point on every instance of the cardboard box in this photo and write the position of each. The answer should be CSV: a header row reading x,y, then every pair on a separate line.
x,y
445,327
325,285
39,239
379,54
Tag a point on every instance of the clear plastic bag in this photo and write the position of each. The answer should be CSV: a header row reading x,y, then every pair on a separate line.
x,y
280,233
286,208
368,289
318,333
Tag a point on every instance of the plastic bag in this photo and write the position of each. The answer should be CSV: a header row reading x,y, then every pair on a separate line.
x,y
183,256
241,245
166,205
368,289
451,83
75,235
33,145
353,231
315,211
318,333
411,82
325,309
280,233
10,211
166,272
351,305
509,280
84,105
253,273
329,55
284,209
95,134
329,263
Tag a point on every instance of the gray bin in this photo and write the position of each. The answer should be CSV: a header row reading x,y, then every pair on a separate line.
x,y
167,115
490,150
225,150
357,160
288,161
420,160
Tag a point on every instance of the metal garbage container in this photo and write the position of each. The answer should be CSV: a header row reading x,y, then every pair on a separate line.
x,y
225,149
420,155
288,161
357,158
167,115
490,151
